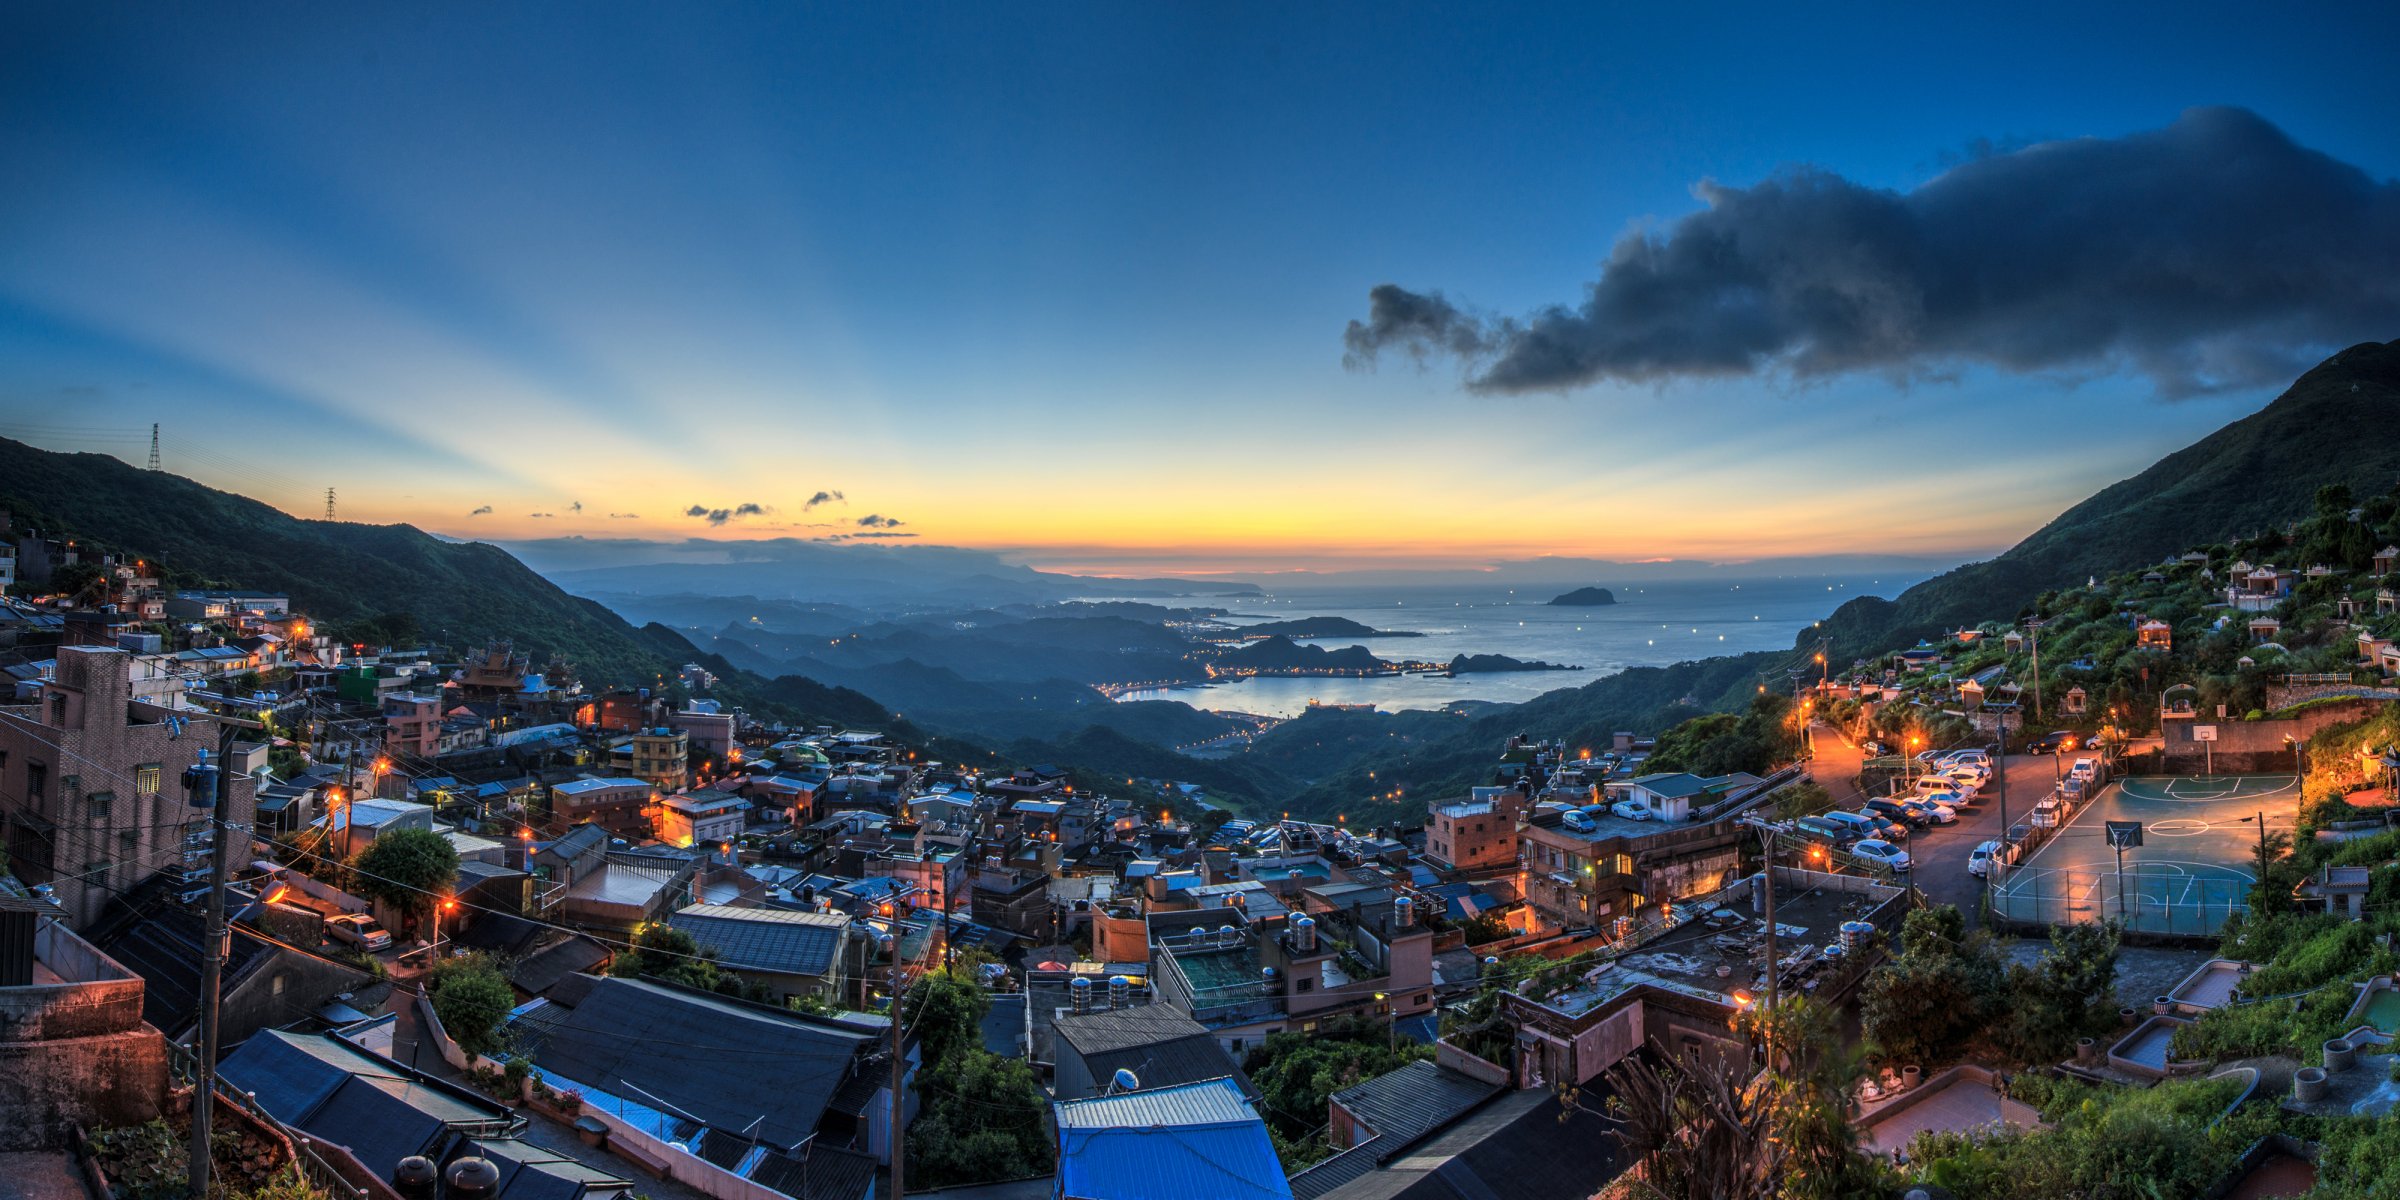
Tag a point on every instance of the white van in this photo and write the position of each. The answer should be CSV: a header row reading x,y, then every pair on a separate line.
x,y
1935,784
2085,769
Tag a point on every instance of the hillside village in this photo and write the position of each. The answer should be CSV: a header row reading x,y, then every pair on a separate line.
x,y
643,940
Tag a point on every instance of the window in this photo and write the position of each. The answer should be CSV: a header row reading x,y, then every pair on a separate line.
x,y
37,781
1307,984
58,708
145,780
101,803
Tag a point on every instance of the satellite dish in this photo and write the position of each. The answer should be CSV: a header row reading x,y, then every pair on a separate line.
x,y
1127,1081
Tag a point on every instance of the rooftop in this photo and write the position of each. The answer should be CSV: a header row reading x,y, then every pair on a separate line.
x,y
765,939
1200,1140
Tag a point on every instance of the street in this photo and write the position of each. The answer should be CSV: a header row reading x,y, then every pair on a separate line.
x,y
1939,853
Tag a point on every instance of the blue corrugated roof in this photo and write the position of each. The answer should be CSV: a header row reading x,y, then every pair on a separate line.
x,y
1201,1141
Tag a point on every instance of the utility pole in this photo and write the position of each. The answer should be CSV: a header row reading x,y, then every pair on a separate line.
x,y
154,446
212,962
2035,625
899,1079
1766,879
328,504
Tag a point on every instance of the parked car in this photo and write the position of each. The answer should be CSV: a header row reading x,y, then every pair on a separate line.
x,y
1980,860
1882,854
2057,741
1930,812
1977,758
1932,785
359,930
1967,786
1862,824
1894,810
1886,828
1874,749
2085,768
1631,810
1832,833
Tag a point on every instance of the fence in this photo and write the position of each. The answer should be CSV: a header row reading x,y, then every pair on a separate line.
x,y
2172,905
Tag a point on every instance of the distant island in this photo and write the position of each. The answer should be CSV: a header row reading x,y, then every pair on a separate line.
x,y
1589,597
1472,664
1322,627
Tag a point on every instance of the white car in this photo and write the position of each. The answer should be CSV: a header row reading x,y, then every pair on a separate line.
x,y
359,930
1969,758
1939,808
1881,853
1631,810
1980,860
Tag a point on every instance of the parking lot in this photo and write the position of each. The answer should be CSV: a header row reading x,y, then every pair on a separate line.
x,y
1939,853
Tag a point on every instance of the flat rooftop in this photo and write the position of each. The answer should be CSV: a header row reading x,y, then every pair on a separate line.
x,y
1719,949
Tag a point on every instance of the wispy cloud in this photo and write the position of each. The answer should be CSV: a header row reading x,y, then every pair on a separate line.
x,y
576,507
483,511
541,516
2213,253
822,498
624,516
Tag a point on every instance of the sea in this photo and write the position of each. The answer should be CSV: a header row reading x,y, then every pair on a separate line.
x,y
1651,624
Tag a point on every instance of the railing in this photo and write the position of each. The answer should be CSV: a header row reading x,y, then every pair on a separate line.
x,y
183,1066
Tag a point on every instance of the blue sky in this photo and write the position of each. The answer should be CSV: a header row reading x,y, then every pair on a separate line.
x,y
1065,281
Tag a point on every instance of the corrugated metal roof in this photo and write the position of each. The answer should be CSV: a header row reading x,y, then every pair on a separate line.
x,y
1201,1141
1404,1105
765,939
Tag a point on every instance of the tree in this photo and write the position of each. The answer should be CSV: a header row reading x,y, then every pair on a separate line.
x,y
2070,991
1813,1070
405,868
945,1009
1696,1132
663,952
1942,988
471,997
1296,1073
981,1120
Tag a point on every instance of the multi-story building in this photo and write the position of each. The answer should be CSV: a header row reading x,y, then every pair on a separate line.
x,y
617,805
701,818
91,785
1247,980
661,755
1477,833
1591,868
415,720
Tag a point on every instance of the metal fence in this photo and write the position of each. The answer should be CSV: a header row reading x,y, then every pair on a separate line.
x,y
2148,902
183,1065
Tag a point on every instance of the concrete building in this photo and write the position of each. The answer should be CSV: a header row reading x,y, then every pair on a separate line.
x,y
1247,982
1477,833
73,1048
662,755
617,805
91,785
701,818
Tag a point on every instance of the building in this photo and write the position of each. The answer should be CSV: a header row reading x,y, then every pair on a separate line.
x,y
793,953
619,805
1200,1141
1477,833
1159,1045
662,755
91,785
753,1088
1249,981
1592,869
1017,901
701,818
263,983
74,1051
2154,634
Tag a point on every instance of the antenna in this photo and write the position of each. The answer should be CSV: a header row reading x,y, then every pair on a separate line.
x,y
154,445
328,504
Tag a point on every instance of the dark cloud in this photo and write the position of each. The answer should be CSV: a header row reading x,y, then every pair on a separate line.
x,y
719,516
486,509
2209,254
879,521
852,537
822,498
576,507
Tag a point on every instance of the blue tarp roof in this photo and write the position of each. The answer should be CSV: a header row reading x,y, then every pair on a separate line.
x,y
1201,1141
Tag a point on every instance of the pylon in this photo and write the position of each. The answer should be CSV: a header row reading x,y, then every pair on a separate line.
x,y
154,446
328,504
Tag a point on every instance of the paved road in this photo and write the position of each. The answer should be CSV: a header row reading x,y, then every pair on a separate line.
x,y
1939,852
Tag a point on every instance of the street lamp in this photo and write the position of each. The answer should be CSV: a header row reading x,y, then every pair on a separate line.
x,y
447,905
1391,1013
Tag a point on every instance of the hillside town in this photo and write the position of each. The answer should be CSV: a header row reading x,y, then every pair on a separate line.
x,y
637,940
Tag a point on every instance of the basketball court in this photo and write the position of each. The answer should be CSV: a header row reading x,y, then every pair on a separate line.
x,y
2192,869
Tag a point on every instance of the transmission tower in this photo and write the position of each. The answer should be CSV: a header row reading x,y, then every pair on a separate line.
x,y
328,504
154,446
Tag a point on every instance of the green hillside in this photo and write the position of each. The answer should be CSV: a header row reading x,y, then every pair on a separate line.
x,y
2339,424
347,574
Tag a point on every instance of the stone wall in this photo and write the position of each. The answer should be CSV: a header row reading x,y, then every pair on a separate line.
x,y
2255,747
49,1087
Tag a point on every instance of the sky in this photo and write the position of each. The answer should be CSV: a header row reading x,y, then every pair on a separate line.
x,y
1159,288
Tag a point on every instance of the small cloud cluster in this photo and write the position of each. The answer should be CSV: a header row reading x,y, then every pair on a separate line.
x,y
542,516
822,498
719,516
624,516
879,521
576,507
2211,254
483,511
